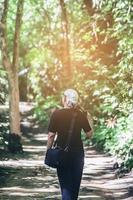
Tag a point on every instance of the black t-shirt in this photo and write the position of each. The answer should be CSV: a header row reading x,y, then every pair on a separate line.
x,y
60,122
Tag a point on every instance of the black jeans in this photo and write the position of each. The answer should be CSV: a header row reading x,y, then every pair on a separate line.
x,y
70,176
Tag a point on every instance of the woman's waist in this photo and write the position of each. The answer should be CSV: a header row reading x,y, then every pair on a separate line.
x,y
72,149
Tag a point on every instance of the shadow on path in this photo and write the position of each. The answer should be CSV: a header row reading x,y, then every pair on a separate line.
x,y
24,176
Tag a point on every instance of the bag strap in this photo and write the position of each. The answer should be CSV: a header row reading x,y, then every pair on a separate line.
x,y
69,132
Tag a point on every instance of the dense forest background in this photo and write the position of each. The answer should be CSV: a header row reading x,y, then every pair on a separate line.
x,y
57,44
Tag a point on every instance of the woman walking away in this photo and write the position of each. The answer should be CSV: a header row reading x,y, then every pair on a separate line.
x,y
60,123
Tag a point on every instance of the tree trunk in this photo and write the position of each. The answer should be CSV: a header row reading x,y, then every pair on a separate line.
x,y
12,72
66,50
14,142
14,104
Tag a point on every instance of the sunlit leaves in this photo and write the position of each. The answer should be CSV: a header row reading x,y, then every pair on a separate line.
x,y
101,49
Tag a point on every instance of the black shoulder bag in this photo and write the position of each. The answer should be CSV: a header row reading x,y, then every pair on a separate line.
x,y
58,157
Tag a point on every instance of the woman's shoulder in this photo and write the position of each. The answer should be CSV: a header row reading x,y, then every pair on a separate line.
x,y
56,111
81,112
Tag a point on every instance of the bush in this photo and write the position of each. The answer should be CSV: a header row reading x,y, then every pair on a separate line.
x,y
4,131
116,138
4,122
44,108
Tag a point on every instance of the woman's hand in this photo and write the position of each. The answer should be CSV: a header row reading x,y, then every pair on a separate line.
x,y
89,134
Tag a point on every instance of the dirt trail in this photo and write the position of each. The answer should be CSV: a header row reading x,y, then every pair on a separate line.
x,y
24,177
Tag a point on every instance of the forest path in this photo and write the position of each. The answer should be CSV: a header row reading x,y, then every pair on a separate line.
x,y
24,177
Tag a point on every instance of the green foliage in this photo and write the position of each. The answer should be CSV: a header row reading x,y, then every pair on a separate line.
x,y
116,94
116,137
4,131
45,107
3,86
101,49
4,122
101,56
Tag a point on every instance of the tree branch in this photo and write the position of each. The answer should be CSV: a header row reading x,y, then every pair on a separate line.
x,y
17,34
3,35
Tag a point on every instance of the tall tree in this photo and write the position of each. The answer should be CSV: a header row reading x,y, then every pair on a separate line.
x,y
66,46
11,65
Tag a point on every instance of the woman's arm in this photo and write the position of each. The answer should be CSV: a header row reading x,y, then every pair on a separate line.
x,y
50,141
87,125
